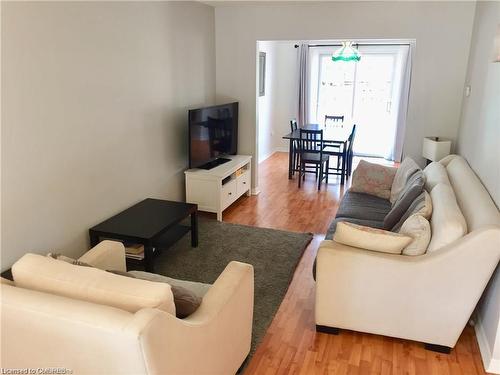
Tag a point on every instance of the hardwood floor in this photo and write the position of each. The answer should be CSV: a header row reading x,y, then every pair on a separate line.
x,y
291,345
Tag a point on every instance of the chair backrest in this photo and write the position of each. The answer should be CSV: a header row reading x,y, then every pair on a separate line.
x,y
350,141
293,125
336,120
311,141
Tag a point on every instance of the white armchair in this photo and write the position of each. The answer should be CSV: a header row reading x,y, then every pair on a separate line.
x,y
45,330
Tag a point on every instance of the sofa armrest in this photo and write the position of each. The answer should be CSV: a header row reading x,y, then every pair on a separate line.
x,y
106,255
426,298
216,338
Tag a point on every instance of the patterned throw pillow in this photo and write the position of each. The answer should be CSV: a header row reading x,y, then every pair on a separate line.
x,y
373,179
418,228
370,238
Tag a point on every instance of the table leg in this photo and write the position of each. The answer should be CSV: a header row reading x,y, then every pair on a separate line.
x,y
148,258
290,159
94,239
194,229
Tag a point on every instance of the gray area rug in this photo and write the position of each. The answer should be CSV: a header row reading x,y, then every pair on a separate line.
x,y
274,255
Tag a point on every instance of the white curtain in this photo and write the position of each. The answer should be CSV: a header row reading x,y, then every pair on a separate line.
x,y
396,153
303,87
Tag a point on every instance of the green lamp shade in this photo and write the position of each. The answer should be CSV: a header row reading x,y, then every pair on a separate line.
x,y
346,53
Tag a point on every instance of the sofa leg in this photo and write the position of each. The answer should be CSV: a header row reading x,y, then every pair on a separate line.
x,y
329,330
438,348
243,365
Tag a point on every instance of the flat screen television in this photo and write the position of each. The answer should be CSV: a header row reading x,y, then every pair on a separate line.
x,y
213,133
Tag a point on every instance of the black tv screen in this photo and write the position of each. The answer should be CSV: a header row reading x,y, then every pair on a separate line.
x,y
213,132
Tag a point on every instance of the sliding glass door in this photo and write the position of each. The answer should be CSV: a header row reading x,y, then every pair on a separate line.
x,y
367,93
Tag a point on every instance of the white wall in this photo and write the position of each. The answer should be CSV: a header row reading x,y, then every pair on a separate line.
x,y
285,103
442,31
479,143
94,108
266,105
479,136
279,106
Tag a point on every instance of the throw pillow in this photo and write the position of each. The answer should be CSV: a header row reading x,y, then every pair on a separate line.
x,y
188,295
410,192
373,179
407,168
186,302
49,275
370,238
435,173
448,223
418,228
68,259
422,205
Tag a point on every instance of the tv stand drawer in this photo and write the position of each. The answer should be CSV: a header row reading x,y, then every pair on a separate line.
x,y
229,193
243,183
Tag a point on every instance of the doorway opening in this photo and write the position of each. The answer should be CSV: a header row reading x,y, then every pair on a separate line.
x,y
372,93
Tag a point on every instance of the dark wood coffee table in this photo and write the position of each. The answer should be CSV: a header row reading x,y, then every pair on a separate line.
x,y
154,223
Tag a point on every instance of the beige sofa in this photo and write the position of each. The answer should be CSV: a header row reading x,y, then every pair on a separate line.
x,y
41,330
427,298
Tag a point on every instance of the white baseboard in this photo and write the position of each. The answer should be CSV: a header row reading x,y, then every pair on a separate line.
x,y
255,191
266,156
281,149
277,149
490,364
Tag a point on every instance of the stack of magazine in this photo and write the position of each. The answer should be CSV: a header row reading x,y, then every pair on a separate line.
x,y
134,251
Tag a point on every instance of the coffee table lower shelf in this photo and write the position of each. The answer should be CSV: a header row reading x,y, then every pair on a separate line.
x,y
165,241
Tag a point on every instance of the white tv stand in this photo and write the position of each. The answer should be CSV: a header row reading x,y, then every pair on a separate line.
x,y
215,189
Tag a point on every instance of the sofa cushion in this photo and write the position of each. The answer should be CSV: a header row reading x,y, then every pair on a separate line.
x,y
419,229
422,205
363,206
435,173
447,222
90,284
410,192
406,169
370,238
373,179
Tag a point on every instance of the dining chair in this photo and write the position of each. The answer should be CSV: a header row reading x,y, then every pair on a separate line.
x,y
344,155
295,147
350,152
336,120
311,152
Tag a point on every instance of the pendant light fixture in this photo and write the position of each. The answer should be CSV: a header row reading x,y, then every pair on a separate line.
x,y
346,53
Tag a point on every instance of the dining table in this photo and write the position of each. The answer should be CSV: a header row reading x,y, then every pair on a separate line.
x,y
332,135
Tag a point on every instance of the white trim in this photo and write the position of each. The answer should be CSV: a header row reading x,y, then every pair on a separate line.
x,y
490,364
261,159
277,149
282,149
255,191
